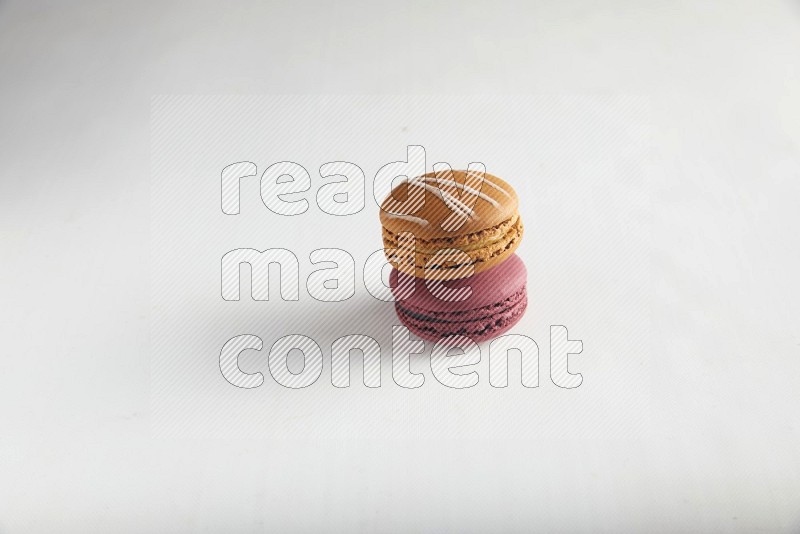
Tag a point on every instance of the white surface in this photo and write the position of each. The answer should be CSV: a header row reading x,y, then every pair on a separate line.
x,y
720,452
579,166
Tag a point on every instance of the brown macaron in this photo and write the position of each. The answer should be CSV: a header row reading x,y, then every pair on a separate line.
x,y
462,222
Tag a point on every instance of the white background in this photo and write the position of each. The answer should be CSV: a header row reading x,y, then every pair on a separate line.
x,y
79,450
580,168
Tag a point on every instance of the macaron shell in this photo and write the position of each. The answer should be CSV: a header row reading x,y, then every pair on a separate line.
x,y
483,206
485,249
487,287
491,257
478,325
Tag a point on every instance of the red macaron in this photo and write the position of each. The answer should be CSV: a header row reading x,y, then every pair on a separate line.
x,y
496,301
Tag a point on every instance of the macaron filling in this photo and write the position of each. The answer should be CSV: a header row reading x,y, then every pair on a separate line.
x,y
463,242
480,246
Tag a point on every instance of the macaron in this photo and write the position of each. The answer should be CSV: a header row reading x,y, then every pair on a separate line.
x,y
446,212
497,301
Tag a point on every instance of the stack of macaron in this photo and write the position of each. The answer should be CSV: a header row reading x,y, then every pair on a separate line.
x,y
450,238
